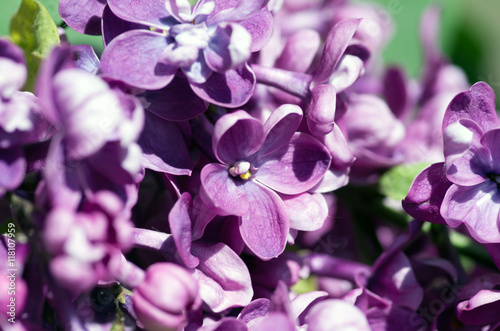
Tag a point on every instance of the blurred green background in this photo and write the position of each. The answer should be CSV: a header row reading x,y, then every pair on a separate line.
x,y
470,34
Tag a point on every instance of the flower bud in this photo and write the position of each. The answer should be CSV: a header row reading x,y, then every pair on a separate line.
x,y
162,300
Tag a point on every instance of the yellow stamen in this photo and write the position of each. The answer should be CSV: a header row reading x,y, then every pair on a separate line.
x,y
246,175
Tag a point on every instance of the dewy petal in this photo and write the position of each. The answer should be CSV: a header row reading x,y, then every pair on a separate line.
x,y
280,127
467,161
223,277
231,89
265,226
478,207
164,148
299,51
219,191
90,116
426,194
321,112
336,43
307,212
83,16
12,168
180,226
152,12
175,102
133,57
477,104
296,167
228,48
236,136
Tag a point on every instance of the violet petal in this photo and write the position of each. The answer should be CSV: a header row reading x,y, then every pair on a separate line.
x,y
180,226
321,112
223,277
133,56
265,226
230,89
12,168
477,104
83,16
219,191
296,167
153,13
164,148
336,43
236,136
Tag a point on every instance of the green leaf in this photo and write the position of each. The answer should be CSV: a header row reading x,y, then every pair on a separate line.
x,y
396,182
33,29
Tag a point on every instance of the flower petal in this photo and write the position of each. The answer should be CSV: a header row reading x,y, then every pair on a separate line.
x,y
478,207
12,168
164,148
236,136
481,309
265,226
467,161
180,226
219,191
426,194
223,277
280,127
334,314
307,212
296,167
299,51
12,61
133,57
228,48
153,12
491,140
83,16
336,43
231,89
321,112
113,26
477,104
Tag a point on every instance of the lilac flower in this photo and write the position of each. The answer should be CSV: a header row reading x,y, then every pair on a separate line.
x,y
469,195
255,161
209,44
164,298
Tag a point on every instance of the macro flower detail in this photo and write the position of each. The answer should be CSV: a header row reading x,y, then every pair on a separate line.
x,y
257,161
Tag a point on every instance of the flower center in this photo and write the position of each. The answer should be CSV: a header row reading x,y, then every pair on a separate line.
x,y
241,169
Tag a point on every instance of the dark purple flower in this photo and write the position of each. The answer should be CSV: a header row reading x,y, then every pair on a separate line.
x,y
255,161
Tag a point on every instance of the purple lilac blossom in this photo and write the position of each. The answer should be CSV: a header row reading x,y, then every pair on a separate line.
x,y
209,43
255,161
467,195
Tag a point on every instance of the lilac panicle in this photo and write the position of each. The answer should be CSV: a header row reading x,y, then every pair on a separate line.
x,y
255,161
209,43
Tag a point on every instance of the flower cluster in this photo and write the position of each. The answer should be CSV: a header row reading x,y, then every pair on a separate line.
x,y
230,165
